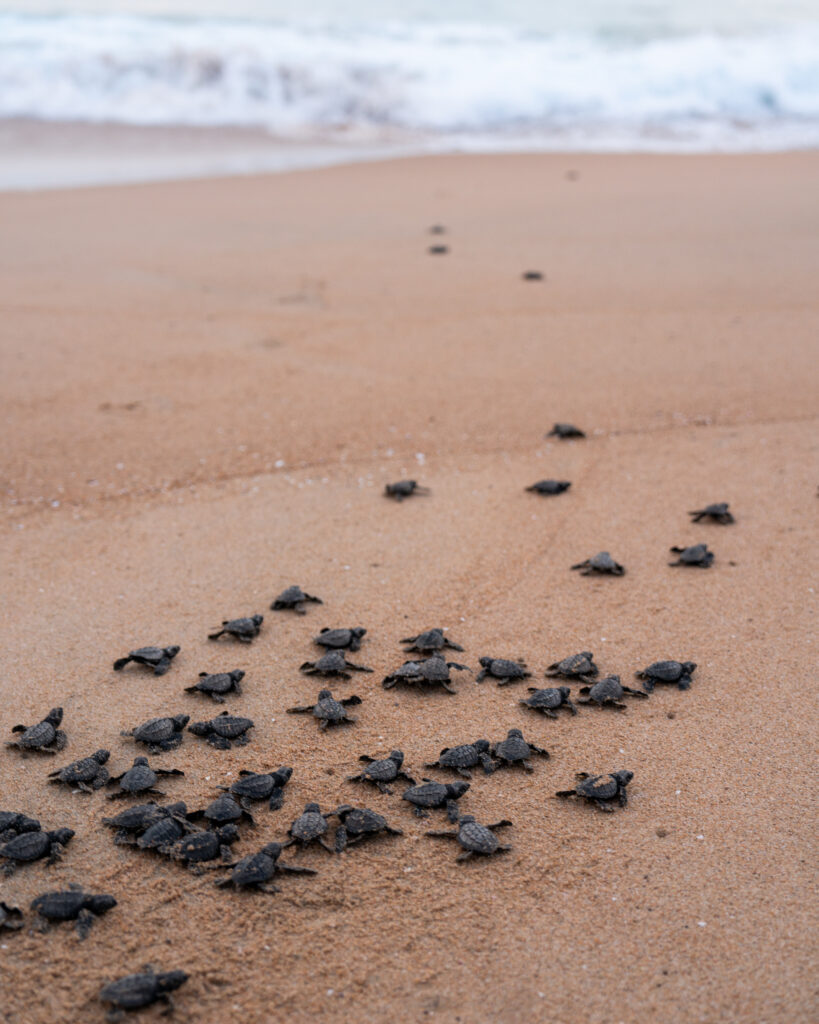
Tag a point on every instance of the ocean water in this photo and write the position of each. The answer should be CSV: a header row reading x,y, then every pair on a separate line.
x,y
485,74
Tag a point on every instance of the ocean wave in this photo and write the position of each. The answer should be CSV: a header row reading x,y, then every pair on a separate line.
x,y
431,81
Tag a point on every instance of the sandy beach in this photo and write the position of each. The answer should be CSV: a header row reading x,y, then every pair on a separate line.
x,y
206,386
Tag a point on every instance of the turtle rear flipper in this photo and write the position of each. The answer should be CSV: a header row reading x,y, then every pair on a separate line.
x,y
120,663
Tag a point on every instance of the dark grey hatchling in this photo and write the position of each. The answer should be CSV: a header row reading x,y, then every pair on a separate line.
x,y
696,555
430,795
717,513
357,823
515,750
333,663
328,710
604,791
267,786
475,838
502,669
294,599
45,737
565,431
135,991
257,870
71,905
548,487
224,731
608,693
31,846
216,685
428,641
461,759
601,564
224,810
338,639
164,833
11,918
141,817
159,734
433,671
87,774
200,848
310,827
576,666
380,771
12,823
678,673
549,700
245,630
140,780
405,488
156,658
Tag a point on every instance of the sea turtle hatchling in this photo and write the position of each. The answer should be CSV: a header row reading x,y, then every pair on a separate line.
x,y
257,870
549,699
717,513
156,658
294,599
604,791
310,827
199,848
224,810
677,673
216,684
576,666
31,846
601,564
45,737
245,629
11,918
135,991
433,671
87,774
502,669
141,817
159,734
564,431
357,823
380,771
140,779
475,838
515,750
608,692
333,663
404,488
260,786
461,759
696,555
428,641
338,639
328,710
431,794
71,905
547,487
224,731
13,823
165,833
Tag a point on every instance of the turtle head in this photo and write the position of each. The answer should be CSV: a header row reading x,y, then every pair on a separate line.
x,y
200,728
324,694
457,789
172,651
228,833
312,809
100,904
101,756
358,632
623,776
180,721
140,762
237,675
170,980
397,757
180,807
466,819
587,655
514,734
688,667
481,745
257,620
61,836
343,811
486,662
54,717
272,850
283,775
564,692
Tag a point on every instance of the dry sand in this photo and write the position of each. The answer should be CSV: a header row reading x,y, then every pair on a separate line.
x,y
206,386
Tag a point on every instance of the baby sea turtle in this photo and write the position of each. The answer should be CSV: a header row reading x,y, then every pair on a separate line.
x,y
216,685
532,275
433,671
71,905
565,430
137,990
576,666
359,823
157,658
468,755
224,810
337,639
328,710
404,489
260,786
310,827
676,672
200,847
601,564
515,750
438,250
294,599
159,734
435,794
45,737
547,487
165,833
224,731
31,846
549,699
142,817
241,629
11,918
475,838
13,823
256,871
333,663
380,771
87,774
717,513
601,790
608,692
502,669
696,555
140,779
428,641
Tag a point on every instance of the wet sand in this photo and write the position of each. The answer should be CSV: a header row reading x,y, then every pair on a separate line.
x,y
206,386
